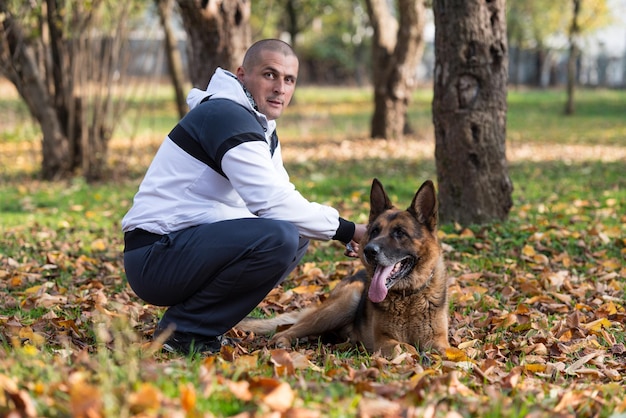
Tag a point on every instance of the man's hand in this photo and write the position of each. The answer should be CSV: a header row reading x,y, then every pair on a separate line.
x,y
352,248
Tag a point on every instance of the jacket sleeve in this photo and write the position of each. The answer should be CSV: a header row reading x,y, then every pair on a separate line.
x,y
268,193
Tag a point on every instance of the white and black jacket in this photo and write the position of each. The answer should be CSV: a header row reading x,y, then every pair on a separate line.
x,y
223,161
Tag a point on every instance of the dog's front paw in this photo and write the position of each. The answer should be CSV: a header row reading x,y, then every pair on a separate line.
x,y
281,341
441,344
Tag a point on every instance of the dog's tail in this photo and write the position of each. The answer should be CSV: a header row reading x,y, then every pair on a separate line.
x,y
265,326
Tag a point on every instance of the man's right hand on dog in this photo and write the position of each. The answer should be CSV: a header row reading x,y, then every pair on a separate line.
x,y
352,248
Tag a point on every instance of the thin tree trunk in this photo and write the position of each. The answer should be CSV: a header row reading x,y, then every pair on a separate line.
x,y
540,63
174,60
397,49
68,87
292,21
18,62
573,57
469,110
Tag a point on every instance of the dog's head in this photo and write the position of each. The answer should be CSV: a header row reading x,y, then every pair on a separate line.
x,y
400,248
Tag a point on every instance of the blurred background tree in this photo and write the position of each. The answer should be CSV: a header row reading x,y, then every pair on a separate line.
x,y
531,24
397,47
66,58
71,61
584,16
332,39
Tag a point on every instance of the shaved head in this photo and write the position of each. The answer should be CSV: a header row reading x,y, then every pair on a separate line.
x,y
253,55
269,72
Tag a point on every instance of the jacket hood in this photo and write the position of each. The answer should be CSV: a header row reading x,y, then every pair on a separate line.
x,y
225,85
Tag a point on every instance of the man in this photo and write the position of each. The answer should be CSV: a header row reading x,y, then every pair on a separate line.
x,y
216,223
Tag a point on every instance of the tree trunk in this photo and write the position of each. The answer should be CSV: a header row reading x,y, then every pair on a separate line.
x,y
469,110
515,74
397,48
174,60
574,32
540,64
68,85
218,36
18,64
292,21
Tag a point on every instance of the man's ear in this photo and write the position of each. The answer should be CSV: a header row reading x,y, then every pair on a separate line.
x,y
240,73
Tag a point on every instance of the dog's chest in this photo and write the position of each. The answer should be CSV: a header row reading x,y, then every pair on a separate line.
x,y
407,318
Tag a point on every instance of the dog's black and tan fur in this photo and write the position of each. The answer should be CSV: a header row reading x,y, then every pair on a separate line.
x,y
400,297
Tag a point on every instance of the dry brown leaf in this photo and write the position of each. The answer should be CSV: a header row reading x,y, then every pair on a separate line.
x,y
456,387
188,397
241,390
378,407
301,413
86,400
247,362
21,400
575,367
147,398
300,361
280,398
511,380
48,301
283,363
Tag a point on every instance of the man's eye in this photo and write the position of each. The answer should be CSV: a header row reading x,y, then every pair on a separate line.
x,y
270,75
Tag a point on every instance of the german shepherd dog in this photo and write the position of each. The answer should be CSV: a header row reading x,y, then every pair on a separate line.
x,y
400,298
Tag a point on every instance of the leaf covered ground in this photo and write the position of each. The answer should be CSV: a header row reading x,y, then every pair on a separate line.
x,y
537,303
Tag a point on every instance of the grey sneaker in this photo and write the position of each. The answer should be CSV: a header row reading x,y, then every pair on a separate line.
x,y
189,344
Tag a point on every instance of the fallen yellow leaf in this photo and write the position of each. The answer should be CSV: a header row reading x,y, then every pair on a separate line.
x,y
611,264
528,251
456,355
535,368
597,324
98,245
305,290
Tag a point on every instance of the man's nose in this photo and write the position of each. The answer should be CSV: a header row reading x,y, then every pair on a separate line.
x,y
279,86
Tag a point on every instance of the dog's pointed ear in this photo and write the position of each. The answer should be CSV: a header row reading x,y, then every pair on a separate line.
x,y
379,201
425,206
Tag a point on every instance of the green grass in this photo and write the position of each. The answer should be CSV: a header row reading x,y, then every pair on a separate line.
x,y
71,330
537,116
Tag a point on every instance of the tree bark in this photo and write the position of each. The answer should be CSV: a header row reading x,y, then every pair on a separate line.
x,y
574,32
174,61
218,35
65,76
540,63
18,64
469,110
397,48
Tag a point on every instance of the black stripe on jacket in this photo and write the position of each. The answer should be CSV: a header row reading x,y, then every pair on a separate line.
x,y
184,140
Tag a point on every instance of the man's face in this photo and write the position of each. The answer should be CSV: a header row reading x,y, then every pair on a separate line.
x,y
271,82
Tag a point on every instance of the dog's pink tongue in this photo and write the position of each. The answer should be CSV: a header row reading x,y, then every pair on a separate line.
x,y
378,290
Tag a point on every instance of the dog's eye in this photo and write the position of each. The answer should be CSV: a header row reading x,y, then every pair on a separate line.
x,y
374,231
399,233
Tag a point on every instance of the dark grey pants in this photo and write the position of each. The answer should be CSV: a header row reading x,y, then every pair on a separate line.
x,y
211,276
